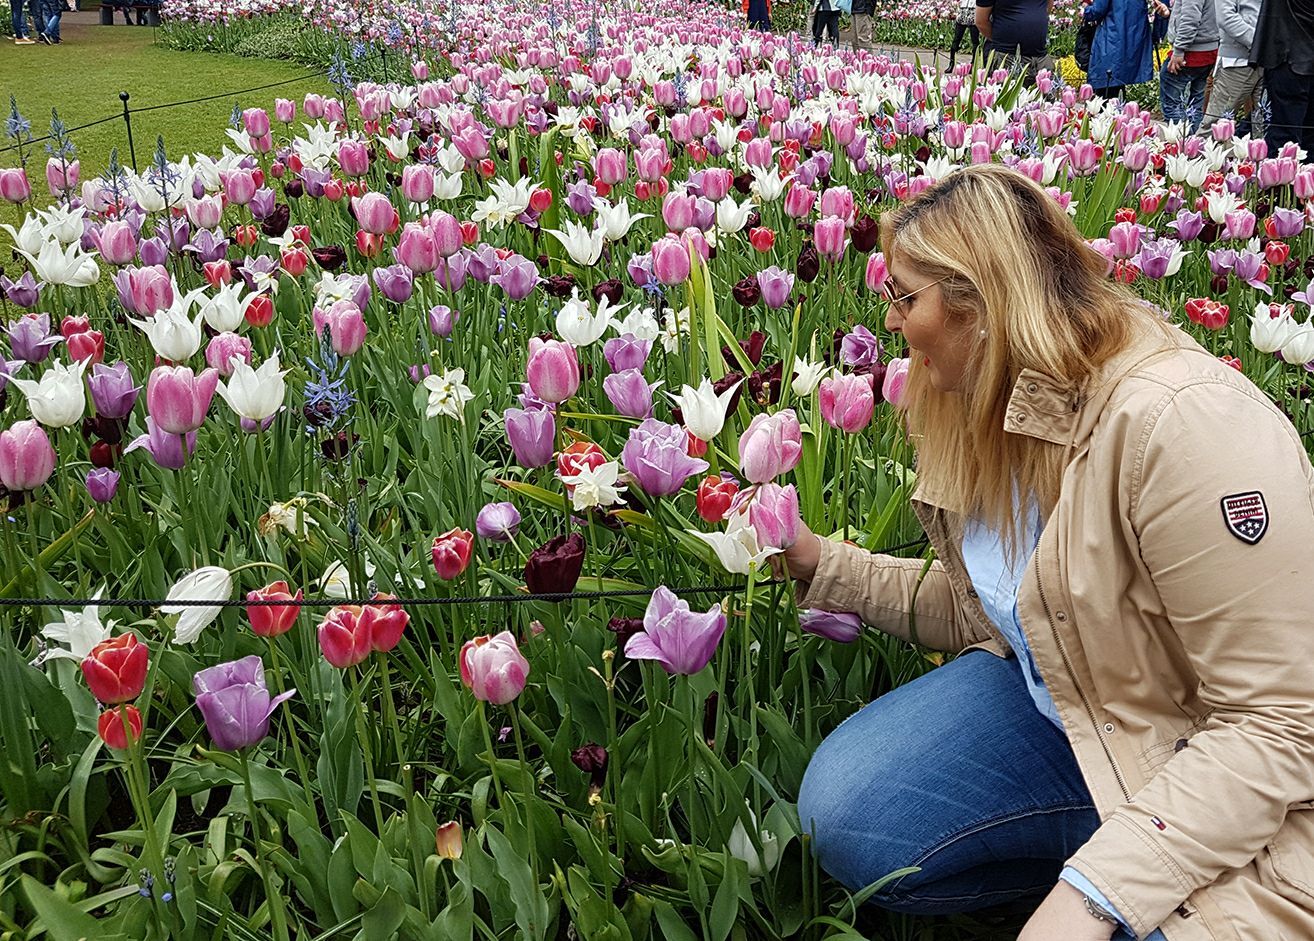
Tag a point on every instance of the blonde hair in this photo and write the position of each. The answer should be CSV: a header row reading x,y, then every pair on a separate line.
x,y
1027,292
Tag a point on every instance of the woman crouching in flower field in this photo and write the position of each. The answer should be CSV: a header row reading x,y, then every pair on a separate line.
x,y
1128,734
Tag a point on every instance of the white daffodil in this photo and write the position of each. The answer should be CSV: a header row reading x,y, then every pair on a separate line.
x,y
336,580
173,334
506,202
254,394
448,394
225,310
675,325
290,516
578,325
806,376
703,410
208,583
615,221
1268,334
57,265
742,848
79,631
595,486
329,289
640,323
732,216
58,399
583,245
28,238
737,548
63,223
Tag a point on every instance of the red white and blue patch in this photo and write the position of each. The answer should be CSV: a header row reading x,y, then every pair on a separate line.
x,y
1246,516
1159,824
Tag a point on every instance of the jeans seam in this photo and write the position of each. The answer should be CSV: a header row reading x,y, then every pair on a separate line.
x,y
914,895
953,838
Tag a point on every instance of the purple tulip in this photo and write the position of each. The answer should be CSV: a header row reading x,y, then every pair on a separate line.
x,y
626,352
498,522
832,625
112,390
482,263
24,292
1287,223
450,272
174,234
532,433
314,181
7,369
528,400
1155,258
102,484
264,265
1248,268
679,639
395,283
579,197
1188,225
442,320
168,451
639,268
235,702
154,252
263,202
656,455
517,276
629,393
207,246
776,284
860,348
1222,260
30,338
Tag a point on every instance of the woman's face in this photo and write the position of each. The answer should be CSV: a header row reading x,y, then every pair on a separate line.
x,y
917,310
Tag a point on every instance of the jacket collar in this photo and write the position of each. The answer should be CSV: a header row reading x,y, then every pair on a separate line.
x,y
1043,407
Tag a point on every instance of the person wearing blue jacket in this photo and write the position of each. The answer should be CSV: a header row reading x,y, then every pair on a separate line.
x,y
1121,52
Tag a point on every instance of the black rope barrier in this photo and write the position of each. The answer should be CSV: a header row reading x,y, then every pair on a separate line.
x,y
517,598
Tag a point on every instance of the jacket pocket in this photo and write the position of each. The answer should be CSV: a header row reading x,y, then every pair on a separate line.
x,y
1291,855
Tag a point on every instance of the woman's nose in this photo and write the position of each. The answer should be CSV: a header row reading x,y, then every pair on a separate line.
x,y
893,321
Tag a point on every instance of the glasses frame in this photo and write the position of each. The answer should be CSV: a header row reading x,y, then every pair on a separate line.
x,y
900,303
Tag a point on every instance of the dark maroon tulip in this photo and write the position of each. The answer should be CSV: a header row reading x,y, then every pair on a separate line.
x,y
747,291
764,385
744,183
591,759
611,289
275,224
554,567
294,189
624,629
1209,234
559,285
331,257
808,265
865,234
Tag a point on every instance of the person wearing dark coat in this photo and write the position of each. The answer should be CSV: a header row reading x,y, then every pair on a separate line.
x,y
1121,52
1284,49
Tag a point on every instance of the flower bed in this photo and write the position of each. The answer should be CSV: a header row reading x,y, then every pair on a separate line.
x,y
584,304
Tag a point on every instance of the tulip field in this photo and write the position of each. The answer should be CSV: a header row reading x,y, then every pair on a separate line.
x,y
439,433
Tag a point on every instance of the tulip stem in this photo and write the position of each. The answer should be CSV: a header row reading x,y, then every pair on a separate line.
x,y
390,710
492,757
529,790
364,735
138,782
279,687
272,898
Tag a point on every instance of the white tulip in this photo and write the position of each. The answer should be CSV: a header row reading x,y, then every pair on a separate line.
x,y
173,334
28,238
1298,349
447,186
226,309
807,378
767,184
79,630
731,216
254,394
1268,334
58,399
336,580
640,323
704,410
57,265
615,221
737,548
741,847
208,583
580,326
582,245
63,224
397,147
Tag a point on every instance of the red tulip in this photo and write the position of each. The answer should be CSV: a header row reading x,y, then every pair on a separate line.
x,y
89,345
260,310
762,239
451,553
218,273
273,620
116,669
715,495
246,235
344,636
110,726
386,623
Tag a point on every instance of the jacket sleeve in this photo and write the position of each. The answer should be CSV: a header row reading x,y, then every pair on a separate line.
x,y
1240,612
1232,23
881,590
1185,23
1098,10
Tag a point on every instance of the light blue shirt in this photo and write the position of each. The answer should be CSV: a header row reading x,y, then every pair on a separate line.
x,y
997,579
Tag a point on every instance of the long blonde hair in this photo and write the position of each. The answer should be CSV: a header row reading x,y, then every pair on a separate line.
x,y
1032,295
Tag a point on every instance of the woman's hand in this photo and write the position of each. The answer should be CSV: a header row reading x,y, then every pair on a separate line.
x,y
1063,915
802,557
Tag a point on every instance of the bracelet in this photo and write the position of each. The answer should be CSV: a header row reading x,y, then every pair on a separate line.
x,y
1096,910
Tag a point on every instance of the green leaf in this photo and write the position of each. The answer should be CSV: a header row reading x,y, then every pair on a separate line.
x,y
530,905
61,919
672,925
381,922
725,904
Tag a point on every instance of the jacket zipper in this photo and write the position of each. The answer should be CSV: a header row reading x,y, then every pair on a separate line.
x,y
1072,675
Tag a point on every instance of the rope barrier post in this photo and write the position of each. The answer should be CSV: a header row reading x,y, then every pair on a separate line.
x,y
127,122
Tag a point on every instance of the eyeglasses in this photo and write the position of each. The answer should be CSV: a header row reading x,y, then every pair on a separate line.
x,y
900,302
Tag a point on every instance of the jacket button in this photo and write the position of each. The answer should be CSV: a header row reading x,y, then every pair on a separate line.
x,y
1109,728
1021,418
1060,615
1032,387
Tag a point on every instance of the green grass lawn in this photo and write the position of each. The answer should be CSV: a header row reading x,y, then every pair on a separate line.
x,y
84,76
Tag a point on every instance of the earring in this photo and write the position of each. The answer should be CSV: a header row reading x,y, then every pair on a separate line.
x,y
983,333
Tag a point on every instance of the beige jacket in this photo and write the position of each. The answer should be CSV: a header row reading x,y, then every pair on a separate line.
x,y
1171,616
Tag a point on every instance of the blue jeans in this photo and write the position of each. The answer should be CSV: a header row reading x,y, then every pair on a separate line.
x,y
956,773
1181,95
17,19
54,9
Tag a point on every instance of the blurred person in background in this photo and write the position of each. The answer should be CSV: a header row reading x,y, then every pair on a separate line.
x,y
1236,81
1121,53
1193,35
1284,49
1016,34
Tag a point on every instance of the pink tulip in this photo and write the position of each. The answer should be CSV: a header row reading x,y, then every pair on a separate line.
x,y
451,553
610,165
313,105
493,668
717,182
178,399
896,378
650,164
678,211
838,201
61,176
877,272
117,243
552,370
346,326
770,446
344,636
219,352
420,70
446,231
152,290
285,111
799,201
374,213
416,248
417,182
26,457
829,236
773,514
847,402
14,186
353,157
239,186
205,212
256,121
670,261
